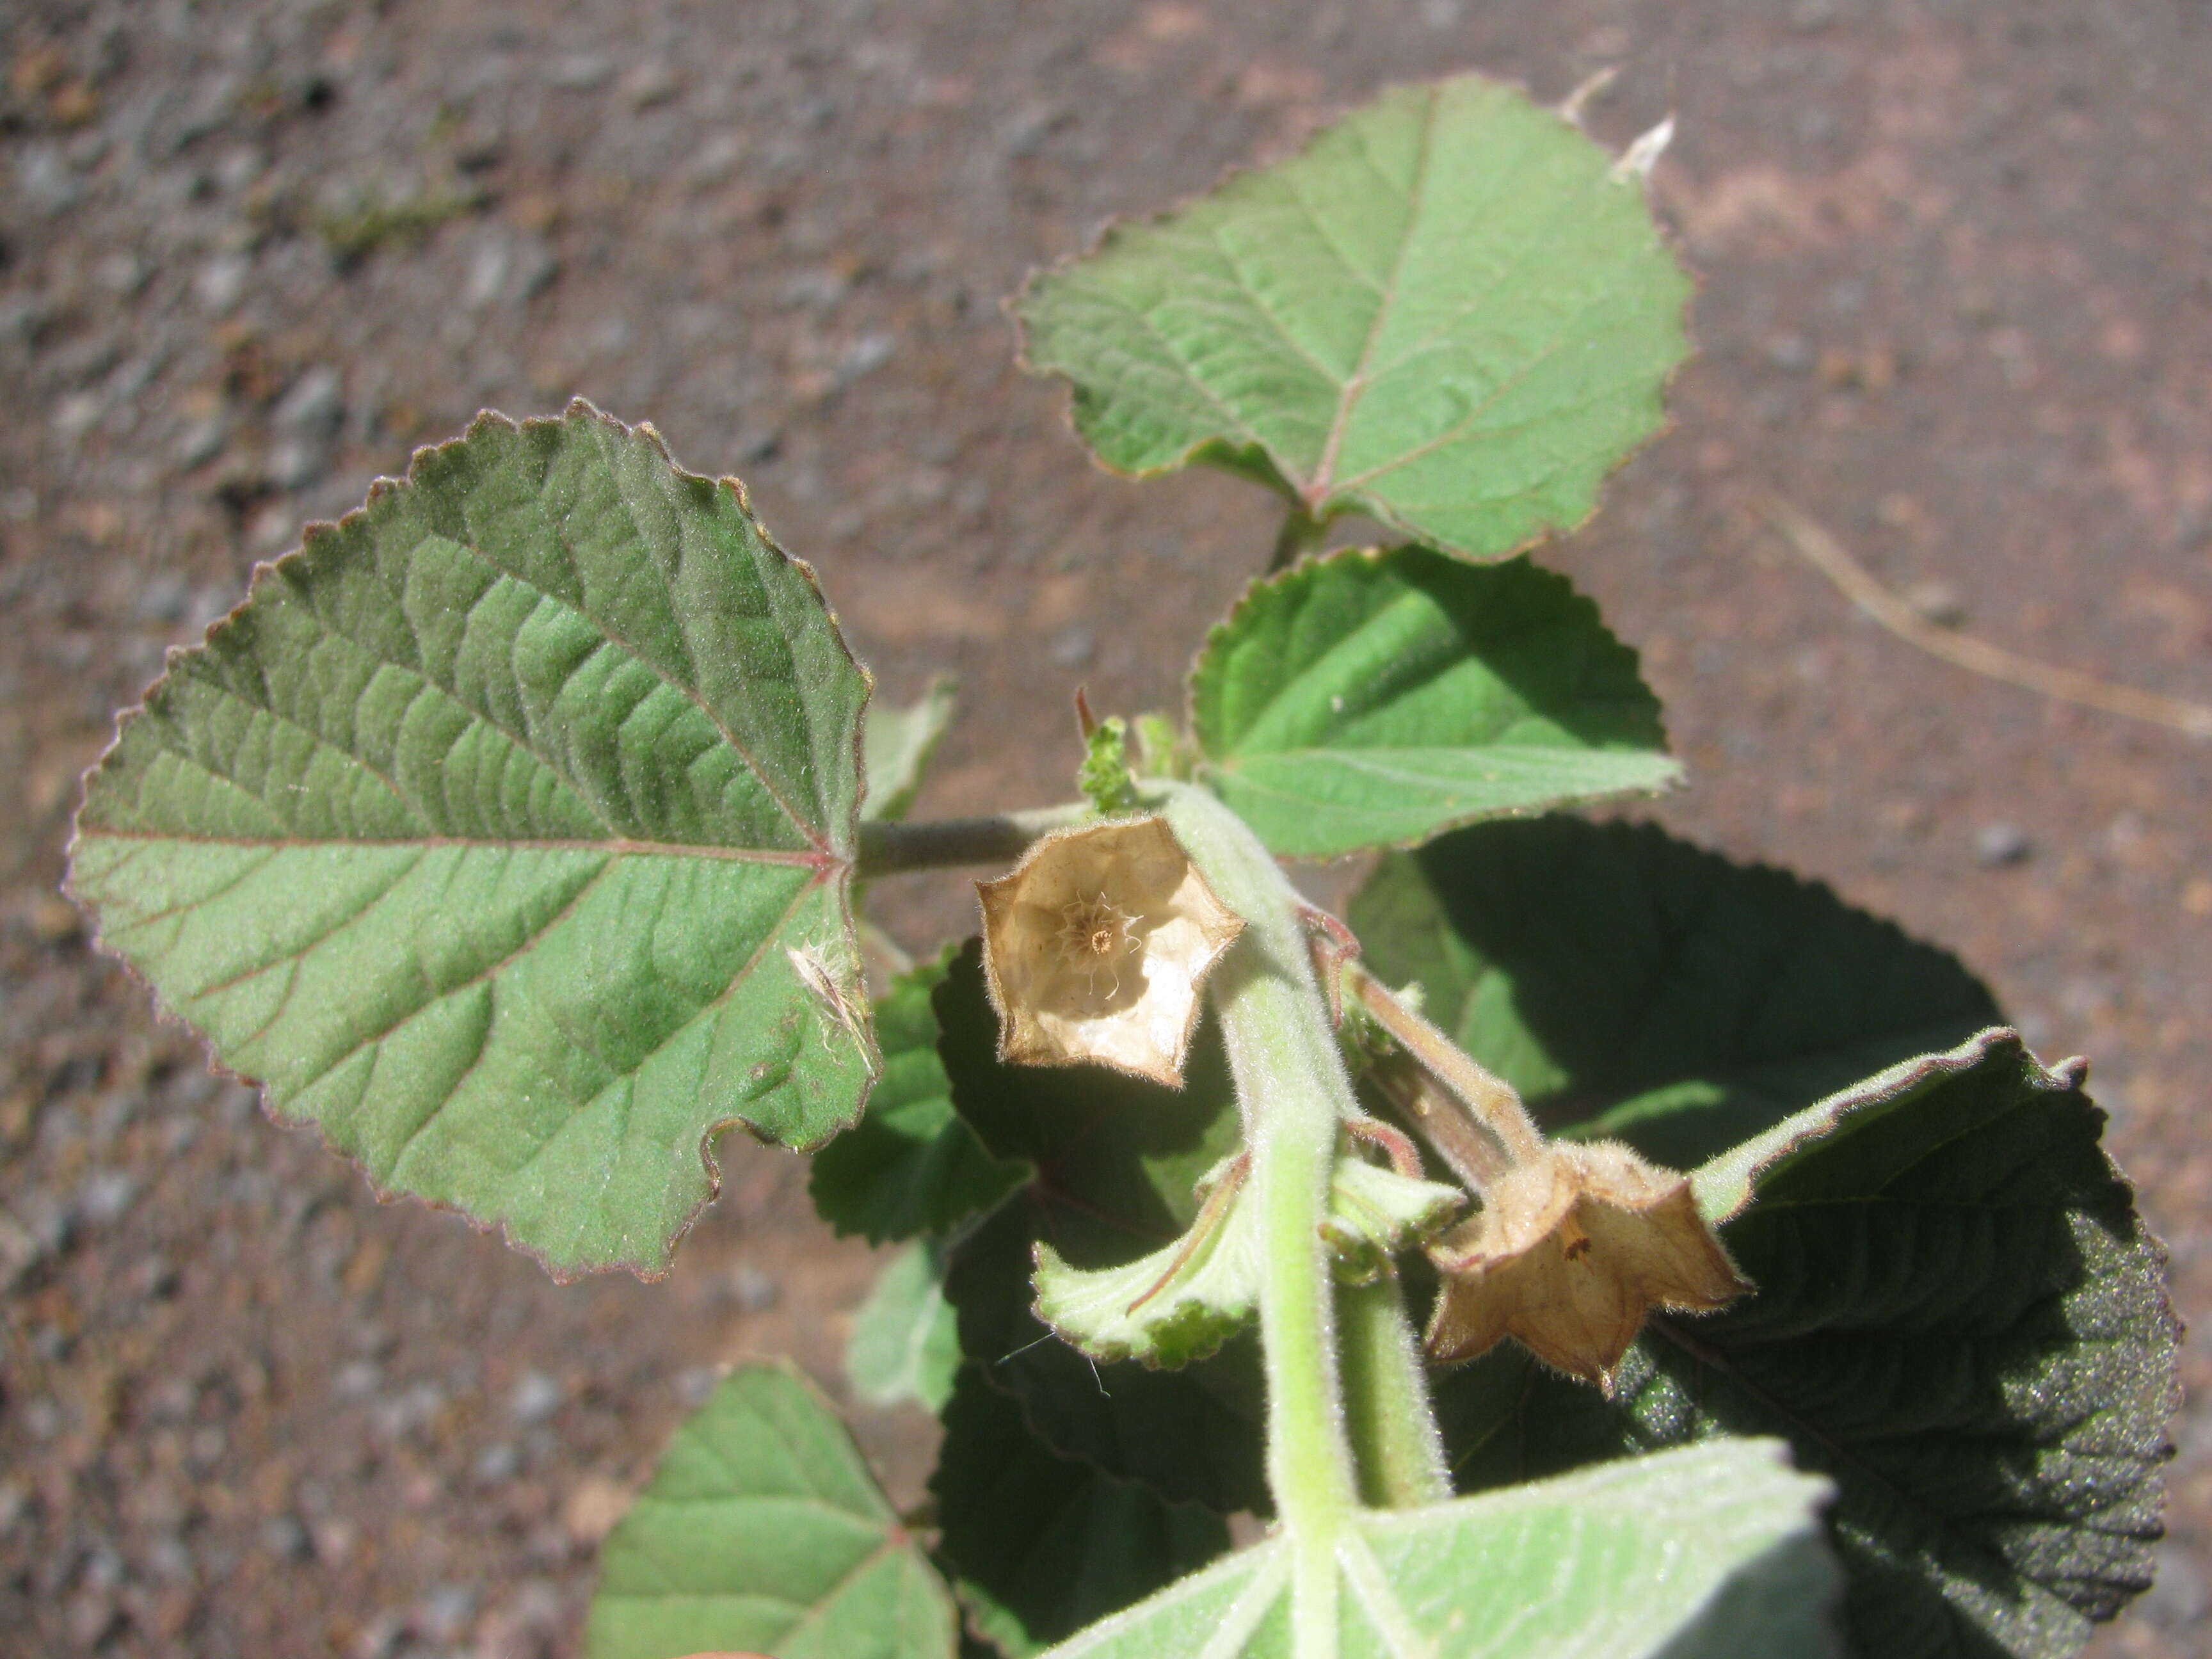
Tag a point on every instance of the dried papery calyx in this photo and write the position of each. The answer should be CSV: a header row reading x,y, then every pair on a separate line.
x,y
1570,1251
1097,946
1574,1243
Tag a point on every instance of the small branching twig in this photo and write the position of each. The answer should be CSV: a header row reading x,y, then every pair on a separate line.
x,y
1827,554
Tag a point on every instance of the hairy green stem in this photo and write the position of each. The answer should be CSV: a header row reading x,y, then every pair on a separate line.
x,y
1295,1097
1301,531
1386,1398
1476,1120
887,849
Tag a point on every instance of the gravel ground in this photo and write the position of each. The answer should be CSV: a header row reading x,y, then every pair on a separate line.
x,y
1955,304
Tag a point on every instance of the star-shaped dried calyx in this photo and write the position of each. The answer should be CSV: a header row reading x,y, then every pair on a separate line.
x,y
1570,1251
1097,946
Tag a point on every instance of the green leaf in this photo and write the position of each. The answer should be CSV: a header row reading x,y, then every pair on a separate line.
x,y
1634,985
1709,1554
1448,312
1374,698
1039,1544
1184,1300
1117,1161
896,745
762,1530
905,1343
910,1168
505,832
1193,1435
1960,1318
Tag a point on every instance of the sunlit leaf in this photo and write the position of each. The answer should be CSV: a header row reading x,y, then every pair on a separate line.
x,y
1374,698
1451,312
1713,1552
505,832
905,1344
897,744
763,1531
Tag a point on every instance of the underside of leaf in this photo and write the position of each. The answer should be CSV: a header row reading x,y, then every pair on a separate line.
x,y
1709,1554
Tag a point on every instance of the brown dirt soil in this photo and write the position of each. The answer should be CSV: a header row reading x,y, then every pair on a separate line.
x,y
1955,303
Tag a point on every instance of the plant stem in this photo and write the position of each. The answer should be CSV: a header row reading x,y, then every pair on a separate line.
x,y
1494,1131
1300,532
1386,1398
887,849
1295,1097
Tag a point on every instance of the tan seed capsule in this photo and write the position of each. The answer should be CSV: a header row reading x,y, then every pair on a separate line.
x,y
1097,946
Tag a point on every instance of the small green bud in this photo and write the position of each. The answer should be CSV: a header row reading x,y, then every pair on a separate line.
x,y
1104,779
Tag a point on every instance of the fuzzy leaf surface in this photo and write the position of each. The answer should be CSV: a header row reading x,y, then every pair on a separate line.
x,y
1041,1545
763,1531
1374,698
505,832
1634,985
1116,1161
1960,1319
910,1168
905,1343
1713,1552
1446,313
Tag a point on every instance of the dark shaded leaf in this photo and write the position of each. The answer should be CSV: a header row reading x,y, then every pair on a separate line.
x,y
1040,1544
1117,1158
1959,1319
910,1168
1634,985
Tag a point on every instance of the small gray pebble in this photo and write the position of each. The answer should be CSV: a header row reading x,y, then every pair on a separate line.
x,y
285,1538
445,1613
535,1398
581,71
106,1196
1074,648
498,1463
313,405
2002,844
754,1290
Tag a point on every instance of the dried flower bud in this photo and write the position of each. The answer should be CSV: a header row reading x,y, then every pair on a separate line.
x,y
1095,946
1570,1250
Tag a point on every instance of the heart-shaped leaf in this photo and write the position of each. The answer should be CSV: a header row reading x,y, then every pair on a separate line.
x,y
762,1530
1713,1552
1959,1319
505,832
1373,698
1451,312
